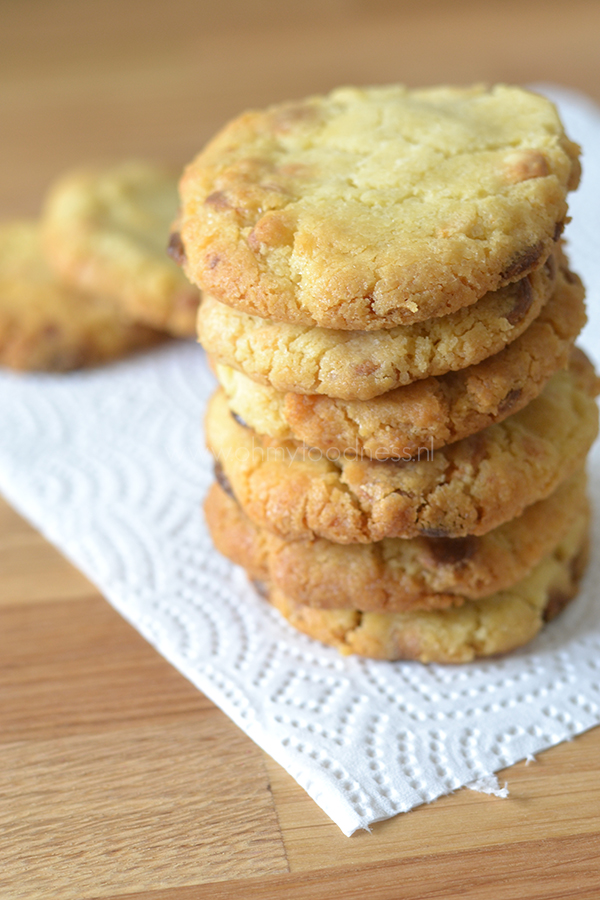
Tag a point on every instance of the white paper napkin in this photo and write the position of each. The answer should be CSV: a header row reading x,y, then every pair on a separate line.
x,y
110,465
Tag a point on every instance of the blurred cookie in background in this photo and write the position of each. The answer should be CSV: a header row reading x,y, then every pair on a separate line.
x,y
106,230
47,325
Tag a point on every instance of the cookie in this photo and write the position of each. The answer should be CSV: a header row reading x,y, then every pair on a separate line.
x,y
106,231
45,325
496,624
435,411
468,487
396,575
369,208
361,365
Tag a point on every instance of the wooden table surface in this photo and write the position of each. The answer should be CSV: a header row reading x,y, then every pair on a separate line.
x,y
118,779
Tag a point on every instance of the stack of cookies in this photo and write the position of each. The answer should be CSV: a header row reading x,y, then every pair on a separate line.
x,y
91,281
402,422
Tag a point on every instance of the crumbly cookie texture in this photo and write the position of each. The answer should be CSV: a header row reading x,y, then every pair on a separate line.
x,y
496,624
369,208
434,411
361,365
45,325
465,488
106,231
396,575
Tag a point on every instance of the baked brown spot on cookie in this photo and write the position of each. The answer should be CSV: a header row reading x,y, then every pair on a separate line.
x,y
175,248
557,601
523,302
271,230
451,551
524,261
524,164
238,419
222,479
218,199
510,401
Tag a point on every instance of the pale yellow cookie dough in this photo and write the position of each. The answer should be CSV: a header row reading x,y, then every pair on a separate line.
x,y
369,208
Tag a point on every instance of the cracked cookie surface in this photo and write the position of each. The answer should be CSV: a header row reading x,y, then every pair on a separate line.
x,y
496,624
432,412
48,326
369,208
362,365
465,488
396,574
106,231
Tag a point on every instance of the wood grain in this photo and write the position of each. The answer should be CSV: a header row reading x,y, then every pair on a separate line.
x,y
95,814
118,778
549,870
114,770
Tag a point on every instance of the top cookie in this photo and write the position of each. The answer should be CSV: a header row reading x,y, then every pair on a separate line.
x,y
106,231
366,209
